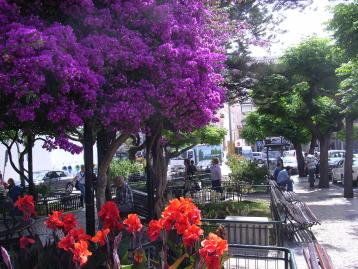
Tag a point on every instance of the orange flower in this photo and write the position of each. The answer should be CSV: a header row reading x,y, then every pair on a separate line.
x,y
154,228
69,222
66,243
26,206
180,214
54,221
109,216
100,237
212,250
25,241
192,235
133,223
138,256
81,252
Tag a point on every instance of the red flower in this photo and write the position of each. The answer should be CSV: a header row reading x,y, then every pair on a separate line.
x,y
133,223
155,226
25,241
74,235
81,252
192,235
26,206
69,222
109,216
212,250
182,223
138,256
54,221
66,243
100,237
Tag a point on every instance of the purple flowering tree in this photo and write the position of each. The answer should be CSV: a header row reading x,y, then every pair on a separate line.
x,y
121,66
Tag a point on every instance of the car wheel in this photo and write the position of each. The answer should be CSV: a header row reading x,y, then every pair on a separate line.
x,y
334,180
69,188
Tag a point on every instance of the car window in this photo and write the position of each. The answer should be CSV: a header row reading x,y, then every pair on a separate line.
x,y
60,174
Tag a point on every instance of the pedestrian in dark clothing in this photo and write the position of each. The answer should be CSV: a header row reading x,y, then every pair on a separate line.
x,y
14,191
277,170
124,197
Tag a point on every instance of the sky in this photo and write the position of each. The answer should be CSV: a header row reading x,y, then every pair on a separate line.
x,y
298,25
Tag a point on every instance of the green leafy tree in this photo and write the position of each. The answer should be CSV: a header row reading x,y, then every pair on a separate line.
x,y
311,66
258,126
345,31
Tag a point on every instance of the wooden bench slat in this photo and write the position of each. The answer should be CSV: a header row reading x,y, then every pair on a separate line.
x,y
325,260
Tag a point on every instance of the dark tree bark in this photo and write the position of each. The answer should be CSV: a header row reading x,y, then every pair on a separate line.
x,y
300,160
89,196
324,140
348,176
312,144
30,143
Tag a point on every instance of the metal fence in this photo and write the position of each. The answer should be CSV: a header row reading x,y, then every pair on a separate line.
x,y
248,232
259,257
58,201
240,257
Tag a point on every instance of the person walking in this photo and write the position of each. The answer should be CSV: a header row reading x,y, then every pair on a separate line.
x,y
284,178
80,182
311,168
215,175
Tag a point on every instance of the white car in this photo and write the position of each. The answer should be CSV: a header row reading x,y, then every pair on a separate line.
x,y
338,171
292,162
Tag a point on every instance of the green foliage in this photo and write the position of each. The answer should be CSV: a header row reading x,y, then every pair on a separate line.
x,y
341,135
344,25
258,126
124,168
246,170
234,208
180,141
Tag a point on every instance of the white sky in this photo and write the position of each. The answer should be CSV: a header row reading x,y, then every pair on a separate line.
x,y
299,24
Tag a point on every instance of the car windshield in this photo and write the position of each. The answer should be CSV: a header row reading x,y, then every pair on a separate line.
x,y
336,154
39,175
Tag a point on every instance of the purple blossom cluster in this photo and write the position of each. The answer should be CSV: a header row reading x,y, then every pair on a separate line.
x,y
115,62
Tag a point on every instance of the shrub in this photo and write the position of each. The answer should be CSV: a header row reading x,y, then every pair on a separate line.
x,y
246,170
124,168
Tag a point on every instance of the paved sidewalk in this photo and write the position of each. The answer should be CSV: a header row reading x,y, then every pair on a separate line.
x,y
338,231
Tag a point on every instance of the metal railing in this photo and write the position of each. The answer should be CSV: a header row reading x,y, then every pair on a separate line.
x,y
63,201
246,231
259,257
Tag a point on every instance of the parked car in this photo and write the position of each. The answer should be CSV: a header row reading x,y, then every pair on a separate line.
x,y
204,166
290,161
338,172
56,180
257,156
334,156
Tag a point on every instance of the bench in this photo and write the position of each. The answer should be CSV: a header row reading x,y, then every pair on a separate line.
x,y
316,257
290,196
140,203
297,213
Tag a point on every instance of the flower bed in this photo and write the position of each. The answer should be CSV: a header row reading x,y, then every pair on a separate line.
x,y
177,235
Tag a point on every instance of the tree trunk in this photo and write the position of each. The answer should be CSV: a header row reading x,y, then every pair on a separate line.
x,y
323,169
348,173
312,144
88,161
103,168
30,143
22,169
300,160
159,169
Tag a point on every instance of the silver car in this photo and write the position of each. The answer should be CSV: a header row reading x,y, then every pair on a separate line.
x,y
56,180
